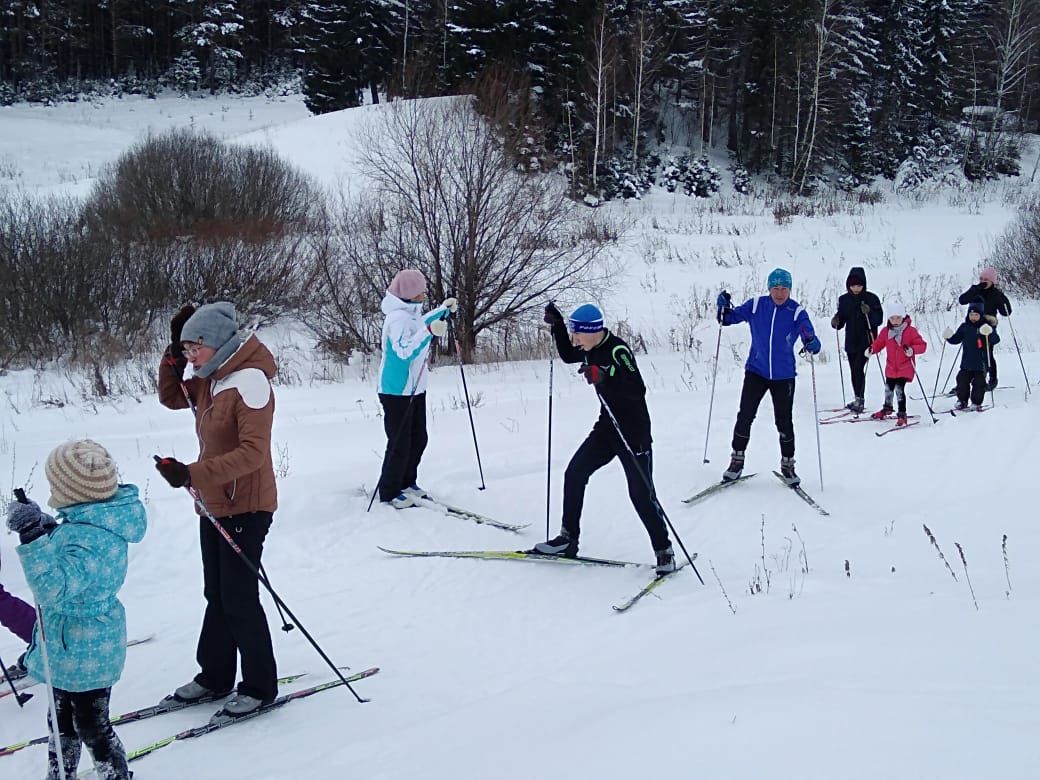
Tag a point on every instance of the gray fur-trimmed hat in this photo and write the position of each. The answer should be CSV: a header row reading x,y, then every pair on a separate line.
x,y
80,472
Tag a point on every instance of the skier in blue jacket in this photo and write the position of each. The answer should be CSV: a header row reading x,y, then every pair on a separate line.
x,y
776,321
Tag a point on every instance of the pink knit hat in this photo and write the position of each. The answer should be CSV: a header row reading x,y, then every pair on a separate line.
x,y
408,284
988,274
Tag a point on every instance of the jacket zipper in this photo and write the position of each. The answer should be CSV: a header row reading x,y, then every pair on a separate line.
x,y
771,323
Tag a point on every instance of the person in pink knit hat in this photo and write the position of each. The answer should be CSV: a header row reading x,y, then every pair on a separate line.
x,y
407,334
994,302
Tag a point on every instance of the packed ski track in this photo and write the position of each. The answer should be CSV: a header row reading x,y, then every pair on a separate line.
x,y
835,646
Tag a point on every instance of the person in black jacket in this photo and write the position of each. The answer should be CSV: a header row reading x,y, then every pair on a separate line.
x,y
994,302
608,364
860,313
976,338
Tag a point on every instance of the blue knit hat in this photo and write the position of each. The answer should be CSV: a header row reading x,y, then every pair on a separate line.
x,y
779,277
978,307
587,318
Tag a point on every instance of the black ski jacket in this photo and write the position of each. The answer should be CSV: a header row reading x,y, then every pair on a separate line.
x,y
993,299
973,346
622,389
860,329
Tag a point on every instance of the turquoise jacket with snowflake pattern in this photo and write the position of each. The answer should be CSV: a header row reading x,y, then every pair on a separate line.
x,y
75,573
406,343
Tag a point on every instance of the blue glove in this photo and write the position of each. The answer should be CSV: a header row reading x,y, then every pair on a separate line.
x,y
28,521
723,304
812,346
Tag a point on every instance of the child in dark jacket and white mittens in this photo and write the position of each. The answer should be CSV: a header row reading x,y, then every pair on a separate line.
x,y
976,337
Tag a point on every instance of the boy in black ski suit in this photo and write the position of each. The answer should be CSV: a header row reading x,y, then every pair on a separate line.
x,y
976,338
993,302
860,313
608,364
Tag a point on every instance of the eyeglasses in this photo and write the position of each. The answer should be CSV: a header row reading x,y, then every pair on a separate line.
x,y
191,350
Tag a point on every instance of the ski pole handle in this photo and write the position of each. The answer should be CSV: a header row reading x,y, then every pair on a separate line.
x,y
20,497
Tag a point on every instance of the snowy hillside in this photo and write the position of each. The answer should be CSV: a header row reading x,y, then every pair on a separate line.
x,y
872,663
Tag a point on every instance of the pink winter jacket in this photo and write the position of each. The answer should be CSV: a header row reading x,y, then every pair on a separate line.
x,y
897,364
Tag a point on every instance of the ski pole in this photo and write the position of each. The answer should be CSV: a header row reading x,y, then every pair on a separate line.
x,y
989,361
841,373
938,370
21,698
950,372
20,496
917,374
286,625
548,455
648,481
711,402
465,390
263,581
1021,362
816,417
877,355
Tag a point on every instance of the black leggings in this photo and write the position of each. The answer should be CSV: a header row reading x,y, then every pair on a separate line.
x,y
751,395
858,369
896,387
598,449
83,720
404,420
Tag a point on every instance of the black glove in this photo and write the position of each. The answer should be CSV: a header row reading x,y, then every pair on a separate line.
x,y
553,315
177,323
28,521
723,304
865,308
835,322
593,374
174,472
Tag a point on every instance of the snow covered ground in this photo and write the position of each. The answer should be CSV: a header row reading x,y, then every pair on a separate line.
x,y
509,670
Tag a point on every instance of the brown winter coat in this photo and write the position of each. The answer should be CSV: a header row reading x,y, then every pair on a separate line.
x,y
234,410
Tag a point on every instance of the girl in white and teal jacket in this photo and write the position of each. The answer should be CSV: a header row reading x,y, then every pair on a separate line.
x,y
75,565
407,334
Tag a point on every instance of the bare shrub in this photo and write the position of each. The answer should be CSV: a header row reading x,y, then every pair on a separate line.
x,y
1016,253
186,183
451,203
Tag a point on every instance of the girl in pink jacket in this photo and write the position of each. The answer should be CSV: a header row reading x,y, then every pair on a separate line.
x,y
902,344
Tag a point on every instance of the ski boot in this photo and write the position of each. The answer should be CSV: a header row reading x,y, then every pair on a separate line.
x,y
401,501
243,704
416,492
960,406
736,465
665,561
977,408
561,545
882,413
901,421
856,407
192,692
787,472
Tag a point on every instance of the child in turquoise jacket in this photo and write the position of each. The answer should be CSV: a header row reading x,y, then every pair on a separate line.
x,y
75,568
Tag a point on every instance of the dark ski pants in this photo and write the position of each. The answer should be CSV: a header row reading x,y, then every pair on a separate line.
x,y
896,387
858,369
235,623
598,449
754,390
83,720
973,382
404,420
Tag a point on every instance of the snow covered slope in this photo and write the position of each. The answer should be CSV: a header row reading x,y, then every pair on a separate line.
x,y
511,670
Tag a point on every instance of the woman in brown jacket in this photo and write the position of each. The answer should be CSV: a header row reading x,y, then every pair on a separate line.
x,y
231,396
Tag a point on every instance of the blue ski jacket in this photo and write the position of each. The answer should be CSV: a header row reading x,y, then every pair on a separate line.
x,y
774,330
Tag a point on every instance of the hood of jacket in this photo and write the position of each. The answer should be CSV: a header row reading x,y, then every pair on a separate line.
x,y
123,514
251,354
856,274
392,303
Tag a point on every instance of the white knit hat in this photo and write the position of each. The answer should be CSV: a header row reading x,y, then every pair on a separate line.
x,y
80,472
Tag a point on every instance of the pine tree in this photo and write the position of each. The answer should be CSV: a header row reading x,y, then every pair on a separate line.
x,y
213,36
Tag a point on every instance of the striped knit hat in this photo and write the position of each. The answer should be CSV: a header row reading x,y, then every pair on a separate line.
x,y
80,472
